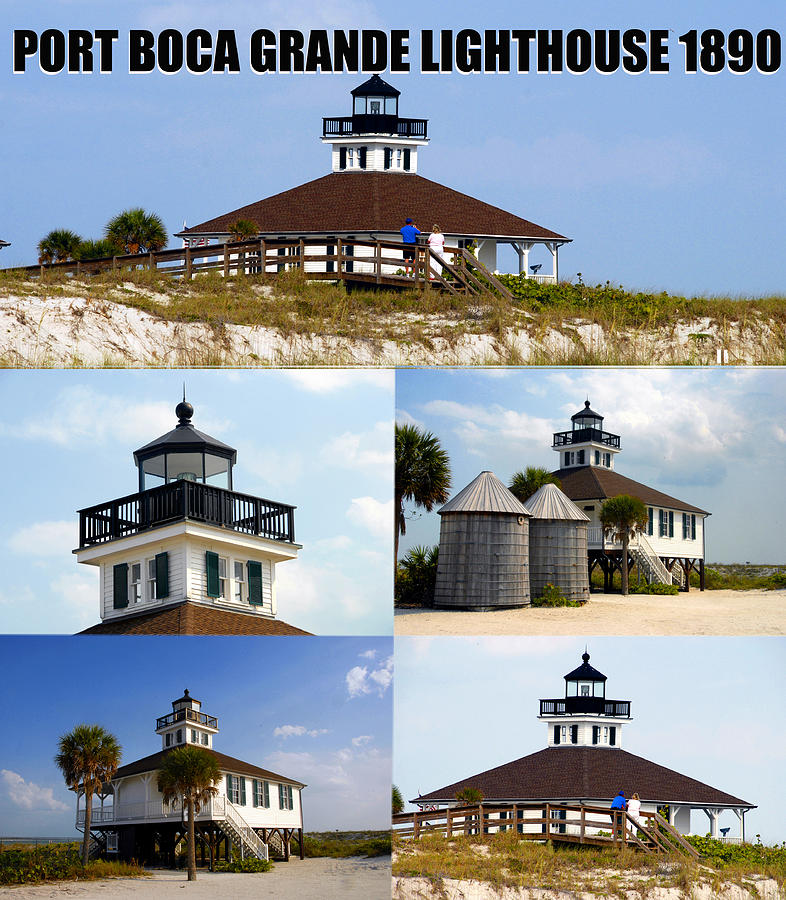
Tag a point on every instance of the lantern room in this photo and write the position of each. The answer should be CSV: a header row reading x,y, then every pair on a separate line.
x,y
585,681
185,454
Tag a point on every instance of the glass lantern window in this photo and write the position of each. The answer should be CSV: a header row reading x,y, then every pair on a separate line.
x,y
184,467
573,689
360,105
391,106
217,471
153,472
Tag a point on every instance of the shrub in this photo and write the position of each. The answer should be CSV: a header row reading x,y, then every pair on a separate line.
x,y
552,596
55,862
250,864
654,588
416,577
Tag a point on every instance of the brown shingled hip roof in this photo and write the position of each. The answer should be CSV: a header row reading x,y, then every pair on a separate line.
x,y
227,763
584,773
345,203
594,482
192,618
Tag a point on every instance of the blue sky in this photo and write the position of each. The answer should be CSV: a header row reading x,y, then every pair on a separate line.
x,y
664,181
317,710
713,437
320,440
710,708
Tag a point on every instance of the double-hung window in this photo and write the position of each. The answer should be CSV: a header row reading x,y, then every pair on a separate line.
x,y
136,583
236,789
239,584
285,800
151,579
262,794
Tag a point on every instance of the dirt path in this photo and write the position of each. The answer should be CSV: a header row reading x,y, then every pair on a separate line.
x,y
708,612
309,879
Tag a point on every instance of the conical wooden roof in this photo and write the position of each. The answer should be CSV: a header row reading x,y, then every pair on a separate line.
x,y
548,502
483,495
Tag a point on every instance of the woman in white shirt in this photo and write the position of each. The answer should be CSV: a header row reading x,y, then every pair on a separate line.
x,y
436,242
634,810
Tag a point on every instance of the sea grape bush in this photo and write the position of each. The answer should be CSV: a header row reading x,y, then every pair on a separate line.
x,y
47,863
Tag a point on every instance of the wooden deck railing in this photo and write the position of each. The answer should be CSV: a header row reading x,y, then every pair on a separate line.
x,y
561,822
185,500
359,261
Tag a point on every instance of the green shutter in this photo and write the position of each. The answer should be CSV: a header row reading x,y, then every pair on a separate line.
x,y
281,796
266,794
254,582
120,585
162,575
229,788
211,567
242,791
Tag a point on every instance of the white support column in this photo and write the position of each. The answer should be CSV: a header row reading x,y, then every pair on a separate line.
x,y
740,813
712,815
551,246
487,254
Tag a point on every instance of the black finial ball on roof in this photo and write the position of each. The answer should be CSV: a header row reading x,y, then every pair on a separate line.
x,y
184,411
586,404
185,692
585,656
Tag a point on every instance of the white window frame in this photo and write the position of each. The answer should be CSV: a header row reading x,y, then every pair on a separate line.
x,y
194,736
136,588
222,579
261,794
350,157
151,579
239,589
205,739
286,799
399,157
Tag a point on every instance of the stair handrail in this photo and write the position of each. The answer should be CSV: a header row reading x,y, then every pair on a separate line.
x,y
675,835
489,276
653,559
245,831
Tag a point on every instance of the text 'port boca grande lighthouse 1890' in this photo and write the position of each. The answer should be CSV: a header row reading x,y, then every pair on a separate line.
x,y
187,554
373,186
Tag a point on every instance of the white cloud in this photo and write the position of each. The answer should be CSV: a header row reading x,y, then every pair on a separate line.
x,y
288,731
362,740
370,449
368,654
361,680
273,467
45,539
306,589
28,795
327,381
78,592
339,542
79,415
372,514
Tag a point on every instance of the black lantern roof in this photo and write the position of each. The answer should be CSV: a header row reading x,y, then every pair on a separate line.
x,y
585,671
186,698
185,438
376,87
586,413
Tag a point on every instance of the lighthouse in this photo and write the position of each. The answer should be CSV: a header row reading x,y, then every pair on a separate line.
x,y
187,553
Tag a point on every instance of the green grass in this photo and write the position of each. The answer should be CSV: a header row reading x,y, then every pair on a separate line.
x,y
503,860
58,862
341,844
427,319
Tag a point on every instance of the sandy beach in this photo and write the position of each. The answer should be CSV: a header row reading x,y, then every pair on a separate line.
x,y
308,879
695,613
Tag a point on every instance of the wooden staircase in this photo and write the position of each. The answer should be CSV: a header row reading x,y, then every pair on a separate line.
x,y
241,833
649,562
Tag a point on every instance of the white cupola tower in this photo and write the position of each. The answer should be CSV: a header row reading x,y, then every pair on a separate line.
x,y
375,138
187,538
586,444
584,717
186,724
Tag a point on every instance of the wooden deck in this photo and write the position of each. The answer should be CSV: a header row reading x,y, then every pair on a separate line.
x,y
355,262
559,823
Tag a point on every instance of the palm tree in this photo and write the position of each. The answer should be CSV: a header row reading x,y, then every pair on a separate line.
x,y
91,249
416,576
88,757
136,231
422,474
397,801
524,484
243,229
189,775
621,517
59,245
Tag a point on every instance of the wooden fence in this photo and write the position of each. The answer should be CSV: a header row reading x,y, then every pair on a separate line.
x,y
560,822
373,262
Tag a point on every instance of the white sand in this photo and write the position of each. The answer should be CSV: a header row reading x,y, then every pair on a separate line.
x,y
308,879
707,612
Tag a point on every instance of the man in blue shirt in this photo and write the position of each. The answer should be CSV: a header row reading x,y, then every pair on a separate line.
x,y
618,805
409,233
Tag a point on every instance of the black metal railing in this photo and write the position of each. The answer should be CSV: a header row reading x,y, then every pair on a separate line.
x,y
344,126
185,500
582,435
186,715
567,706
